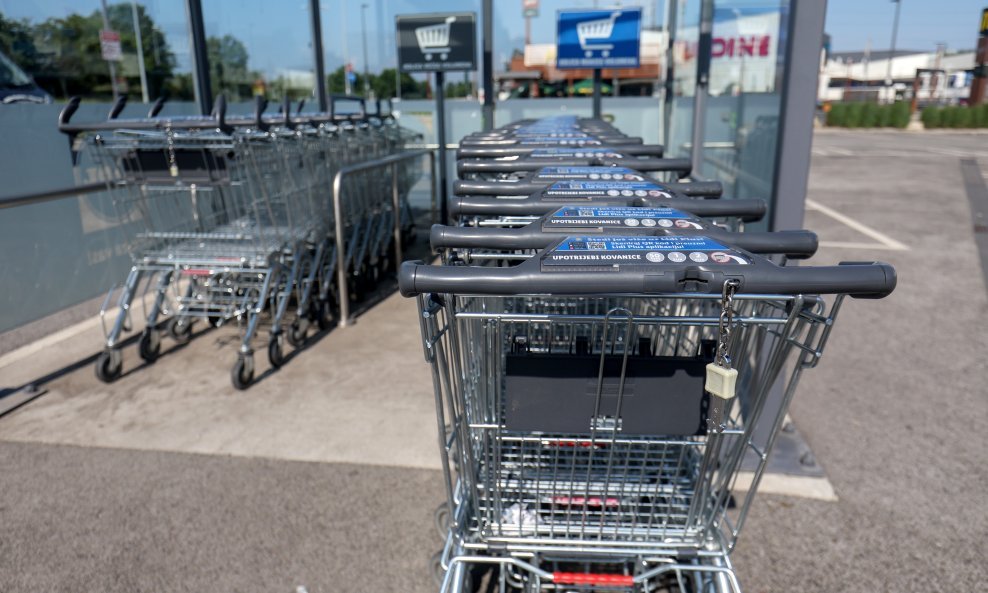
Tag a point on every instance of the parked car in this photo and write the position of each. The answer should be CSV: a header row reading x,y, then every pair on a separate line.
x,y
16,86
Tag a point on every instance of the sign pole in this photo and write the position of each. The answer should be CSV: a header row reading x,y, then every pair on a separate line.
x,y
597,75
488,64
113,69
440,93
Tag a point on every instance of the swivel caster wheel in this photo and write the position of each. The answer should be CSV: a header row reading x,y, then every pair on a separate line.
x,y
150,345
276,354
180,329
297,333
243,372
109,366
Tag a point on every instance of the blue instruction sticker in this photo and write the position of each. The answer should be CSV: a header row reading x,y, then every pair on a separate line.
x,y
551,134
604,189
575,153
586,141
642,251
640,220
589,174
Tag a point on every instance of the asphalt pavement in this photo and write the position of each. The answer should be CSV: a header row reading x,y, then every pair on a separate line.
x,y
325,474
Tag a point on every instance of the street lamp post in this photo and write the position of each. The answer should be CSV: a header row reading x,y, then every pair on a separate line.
x,y
363,34
895,33
346,51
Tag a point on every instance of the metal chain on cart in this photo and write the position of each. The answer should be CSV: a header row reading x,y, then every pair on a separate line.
x,y
721,378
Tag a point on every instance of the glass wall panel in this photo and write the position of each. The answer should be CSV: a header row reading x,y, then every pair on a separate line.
x,y
741,117
51,50
258,47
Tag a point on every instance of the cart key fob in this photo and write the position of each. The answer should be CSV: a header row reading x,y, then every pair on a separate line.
x,y
720,384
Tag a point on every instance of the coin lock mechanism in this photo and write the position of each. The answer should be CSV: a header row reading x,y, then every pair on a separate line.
x,y
721,378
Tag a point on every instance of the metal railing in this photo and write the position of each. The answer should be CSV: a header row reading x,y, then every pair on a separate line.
x,y
392,160
54,194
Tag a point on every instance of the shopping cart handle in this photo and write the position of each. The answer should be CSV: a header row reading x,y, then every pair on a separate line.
x,y
65,116
360,100
157,107
698,189
760,276
745,210
117,107
496,151
260,104
495,188
219,114
793,244
682,166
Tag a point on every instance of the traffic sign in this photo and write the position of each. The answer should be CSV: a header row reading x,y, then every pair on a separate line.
x,y
109,43
598,38
437,42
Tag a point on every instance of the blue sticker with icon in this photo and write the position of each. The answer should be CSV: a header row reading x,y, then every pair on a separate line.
x,y
589,174
642,250
604,189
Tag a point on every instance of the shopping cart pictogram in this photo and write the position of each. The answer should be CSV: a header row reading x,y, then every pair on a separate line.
x,y
596,30
434,39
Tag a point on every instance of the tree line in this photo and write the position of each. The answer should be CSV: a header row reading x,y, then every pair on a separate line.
x,y
63,56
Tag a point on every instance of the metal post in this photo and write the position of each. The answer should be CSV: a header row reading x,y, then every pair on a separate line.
x,y
668,95
487,60
140,53
895,33
597,75
440,93
396,214
341,256
346,49
432,188
113,69
704,49
315,14
363,35
798,103
200,58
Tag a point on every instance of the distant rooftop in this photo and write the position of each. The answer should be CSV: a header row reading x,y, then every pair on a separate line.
x,y
857,56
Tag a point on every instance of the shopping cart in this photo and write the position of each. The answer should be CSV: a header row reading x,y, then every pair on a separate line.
x,y
434,39
592,34
585,402
230,218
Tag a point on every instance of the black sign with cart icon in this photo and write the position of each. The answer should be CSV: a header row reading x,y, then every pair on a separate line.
x,y
437,42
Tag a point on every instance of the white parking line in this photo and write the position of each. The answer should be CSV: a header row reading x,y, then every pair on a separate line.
x,y
887,242
801,486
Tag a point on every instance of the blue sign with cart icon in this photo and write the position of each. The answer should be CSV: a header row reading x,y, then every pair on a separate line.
x,y
598,38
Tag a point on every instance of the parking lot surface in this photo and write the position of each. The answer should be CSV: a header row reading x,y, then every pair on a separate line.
x,y
324,475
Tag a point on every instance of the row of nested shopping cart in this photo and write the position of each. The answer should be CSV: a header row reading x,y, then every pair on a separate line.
x,y
231,219
604,338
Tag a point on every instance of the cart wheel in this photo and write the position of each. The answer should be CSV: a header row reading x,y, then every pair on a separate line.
x,y
109,366
325,314
297,333
243,373
215,320
436,562
441,518
180,329
150,345
356,286
275,353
